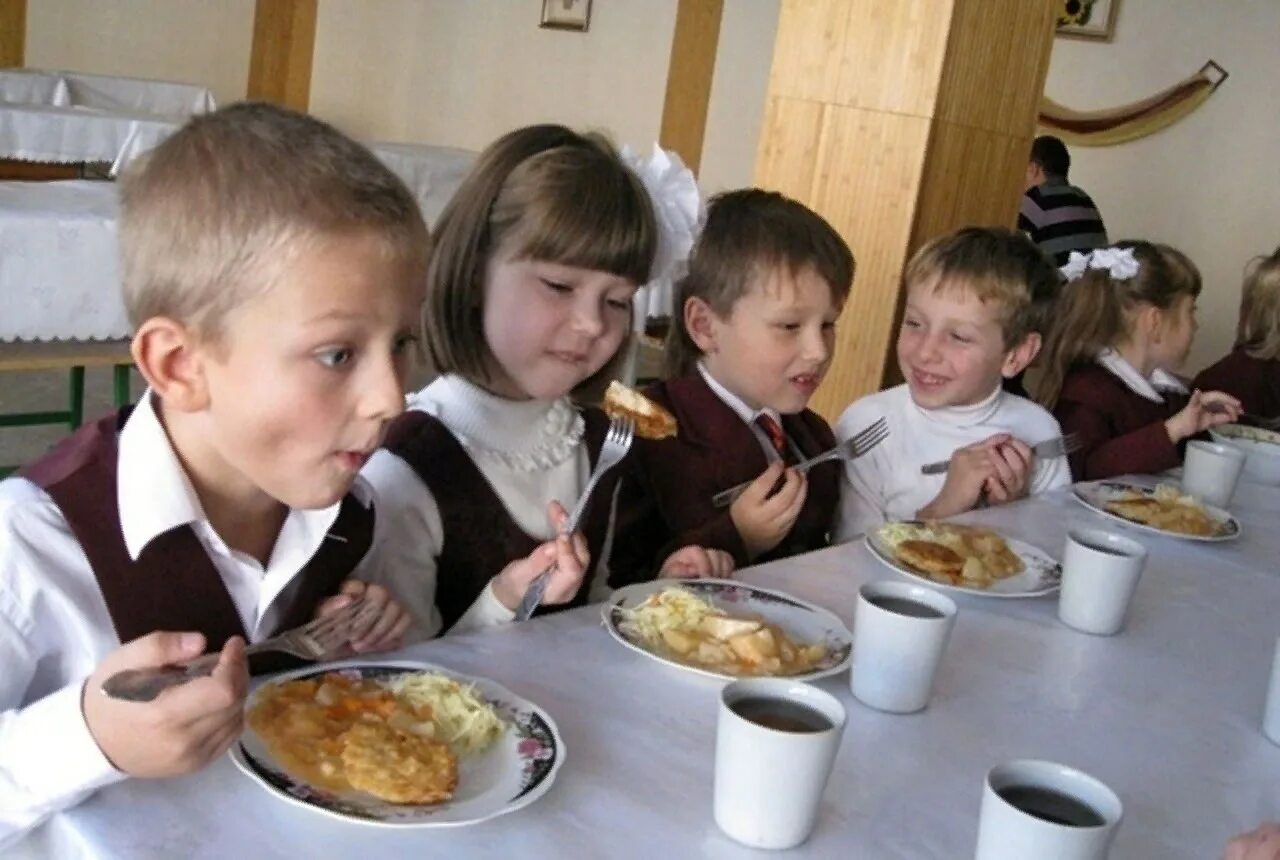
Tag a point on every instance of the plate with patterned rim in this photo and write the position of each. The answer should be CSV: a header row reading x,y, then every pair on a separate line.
x,y
1095,495
512,773
1041,574
803,622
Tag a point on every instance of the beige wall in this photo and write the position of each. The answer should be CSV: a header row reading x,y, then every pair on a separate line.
x,y
196,41
747,31
461,73
1209,184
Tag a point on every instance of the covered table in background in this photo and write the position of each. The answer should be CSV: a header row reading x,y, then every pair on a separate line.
x,y
432,173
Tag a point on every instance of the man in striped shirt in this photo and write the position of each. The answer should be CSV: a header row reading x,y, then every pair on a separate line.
x,y
1058,216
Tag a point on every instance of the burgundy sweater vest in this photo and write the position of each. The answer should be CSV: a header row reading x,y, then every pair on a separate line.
x,y
173,584
480,537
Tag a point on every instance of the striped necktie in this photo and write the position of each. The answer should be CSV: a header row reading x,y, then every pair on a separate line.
x,y
777,438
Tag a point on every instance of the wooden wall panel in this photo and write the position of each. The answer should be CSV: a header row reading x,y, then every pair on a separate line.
x,y
693,62
284,38
902,80
870,161
899,121
13,33
997,60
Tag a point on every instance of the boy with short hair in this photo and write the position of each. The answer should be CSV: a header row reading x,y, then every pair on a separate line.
x,y
969,323
767,280
272,269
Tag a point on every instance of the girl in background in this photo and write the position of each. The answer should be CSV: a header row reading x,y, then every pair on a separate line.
x,y
1251,371
1124,322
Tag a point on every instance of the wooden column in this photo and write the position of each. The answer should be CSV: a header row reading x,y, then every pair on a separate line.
x,y
284,38
693,61
13,33
898,122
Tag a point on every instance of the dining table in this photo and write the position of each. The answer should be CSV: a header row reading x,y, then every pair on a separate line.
x,y
1167,713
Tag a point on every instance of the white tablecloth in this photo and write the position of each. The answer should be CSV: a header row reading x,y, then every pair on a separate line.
x,y
69,135
59,267
104,92
432,173
1167,713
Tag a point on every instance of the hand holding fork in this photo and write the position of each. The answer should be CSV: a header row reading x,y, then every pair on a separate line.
x,y
617,442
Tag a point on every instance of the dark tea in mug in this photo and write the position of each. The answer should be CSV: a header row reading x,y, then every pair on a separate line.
x,y
781,714
1052,806
903,606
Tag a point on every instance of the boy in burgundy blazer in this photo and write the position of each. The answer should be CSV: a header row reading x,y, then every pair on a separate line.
x,y
766,282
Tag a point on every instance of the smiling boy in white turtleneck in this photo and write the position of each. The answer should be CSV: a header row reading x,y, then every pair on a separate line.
x,y
972,301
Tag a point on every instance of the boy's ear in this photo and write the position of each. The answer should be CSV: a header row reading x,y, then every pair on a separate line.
x,y
700,322
170,357
1017,359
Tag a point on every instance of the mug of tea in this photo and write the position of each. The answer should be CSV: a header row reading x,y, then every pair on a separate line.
x,y
1210,471
1100,572
1042,809
776,741
900,632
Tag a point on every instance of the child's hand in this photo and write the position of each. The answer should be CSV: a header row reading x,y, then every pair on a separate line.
x,y
972,468
186,726
1205,409
1260,844
764,520
383,630
1012,464
569,555
697,562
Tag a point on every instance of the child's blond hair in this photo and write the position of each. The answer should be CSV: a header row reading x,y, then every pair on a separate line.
x,y
1095,311
998,266
542,192
210,216
750,234
1259,331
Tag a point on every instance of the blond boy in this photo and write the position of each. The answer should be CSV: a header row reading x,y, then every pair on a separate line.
x,y
272,269
973,299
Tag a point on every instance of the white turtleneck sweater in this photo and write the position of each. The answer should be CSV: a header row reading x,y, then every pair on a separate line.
x,y
886,484
530,451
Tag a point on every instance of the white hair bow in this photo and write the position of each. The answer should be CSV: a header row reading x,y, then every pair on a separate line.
x,y
1119,263
677,206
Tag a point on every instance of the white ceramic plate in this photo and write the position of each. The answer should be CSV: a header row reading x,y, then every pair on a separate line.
x,y
512,773
1094,495
803,622
1040,574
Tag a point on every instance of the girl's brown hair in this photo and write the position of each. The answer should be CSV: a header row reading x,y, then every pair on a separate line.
x,y
749,234
543,192
1095,310
1259,331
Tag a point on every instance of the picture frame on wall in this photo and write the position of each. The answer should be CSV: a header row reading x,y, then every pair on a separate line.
x,y
566,15
1087,19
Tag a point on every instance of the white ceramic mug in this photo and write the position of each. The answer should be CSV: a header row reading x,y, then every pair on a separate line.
x,y
1100,571
769,780
1210,471
1026,806
900,632
1271,716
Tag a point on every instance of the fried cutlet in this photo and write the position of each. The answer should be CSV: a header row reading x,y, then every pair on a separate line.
x,y
652,421
929,557
398,766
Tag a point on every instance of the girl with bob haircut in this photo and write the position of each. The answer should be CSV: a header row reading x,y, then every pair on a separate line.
x,y
1251,371
1123,324
528,310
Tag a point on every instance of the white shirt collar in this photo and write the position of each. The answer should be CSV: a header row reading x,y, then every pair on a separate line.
x,y
155,496
1148,388
970,415
734,402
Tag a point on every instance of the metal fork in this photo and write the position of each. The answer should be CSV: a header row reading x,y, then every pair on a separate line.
x,y
616,444
1049,449
850,449
315,640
